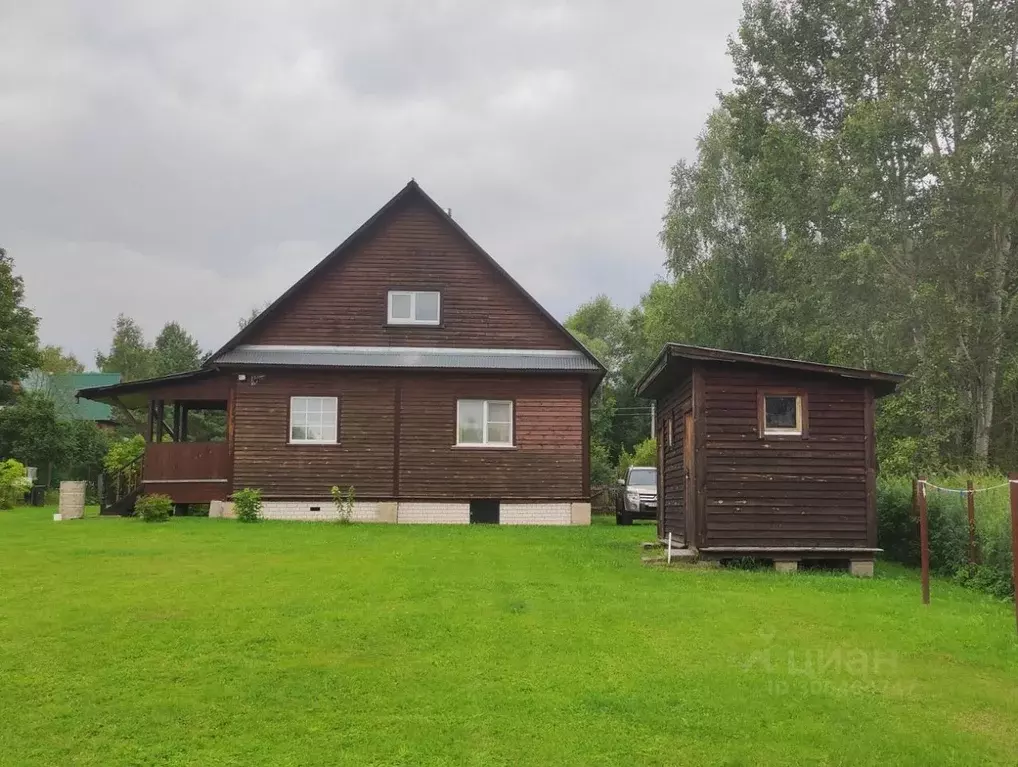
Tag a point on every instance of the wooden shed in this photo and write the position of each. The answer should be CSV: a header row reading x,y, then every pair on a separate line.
x,y
766,457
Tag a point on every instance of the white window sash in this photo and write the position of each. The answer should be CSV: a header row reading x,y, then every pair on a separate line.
x,y
412,320
317,417
485,423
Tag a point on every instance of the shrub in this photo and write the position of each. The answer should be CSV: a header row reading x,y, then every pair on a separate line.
x,y
343,501
14,483
644,454
154,508
247,504
123,453
898,530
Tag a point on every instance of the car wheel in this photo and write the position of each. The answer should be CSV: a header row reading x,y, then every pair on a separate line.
x,y
625,519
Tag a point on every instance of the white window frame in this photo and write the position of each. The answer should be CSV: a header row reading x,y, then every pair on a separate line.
x,y
779,431
484,423
413,308
335,414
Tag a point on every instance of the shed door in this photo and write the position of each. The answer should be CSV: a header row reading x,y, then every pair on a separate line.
x,y
689,477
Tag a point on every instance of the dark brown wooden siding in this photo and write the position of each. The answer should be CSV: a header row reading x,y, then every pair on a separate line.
x,y
672,407
784,491
412,248
264,459
546,462
422,462
213,388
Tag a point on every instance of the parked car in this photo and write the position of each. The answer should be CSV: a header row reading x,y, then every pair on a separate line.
x,y
638,499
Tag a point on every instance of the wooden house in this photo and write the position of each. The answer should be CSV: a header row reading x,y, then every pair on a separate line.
x,y
766,457
407,365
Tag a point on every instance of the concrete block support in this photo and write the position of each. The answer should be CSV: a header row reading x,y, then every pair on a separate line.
x,y
72,500
861,568
387,511
579,513
786,565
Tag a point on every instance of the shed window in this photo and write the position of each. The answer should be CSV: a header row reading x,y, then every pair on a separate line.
x,y
782,414
414,307
314,420
484,422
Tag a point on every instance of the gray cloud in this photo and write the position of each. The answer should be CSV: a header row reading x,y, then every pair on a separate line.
x,y
190,160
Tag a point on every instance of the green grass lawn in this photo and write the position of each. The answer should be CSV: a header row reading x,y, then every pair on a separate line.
x,y
208,642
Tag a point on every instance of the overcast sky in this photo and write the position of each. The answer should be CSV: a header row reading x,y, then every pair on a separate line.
x,y
189,160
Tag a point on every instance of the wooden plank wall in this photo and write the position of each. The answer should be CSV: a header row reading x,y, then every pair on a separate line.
x,y
413,248
673,407
187,460
263,457
422,463
546,462
785,491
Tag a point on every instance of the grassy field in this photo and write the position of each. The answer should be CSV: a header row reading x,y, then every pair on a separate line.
x,y
207,642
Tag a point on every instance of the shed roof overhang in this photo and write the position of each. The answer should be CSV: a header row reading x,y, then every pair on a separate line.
x,y
135,394
676,361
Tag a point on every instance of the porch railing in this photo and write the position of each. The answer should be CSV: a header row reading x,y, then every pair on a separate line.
x,y
119,485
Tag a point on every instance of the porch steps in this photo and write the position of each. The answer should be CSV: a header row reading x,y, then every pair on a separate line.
x,y
123,507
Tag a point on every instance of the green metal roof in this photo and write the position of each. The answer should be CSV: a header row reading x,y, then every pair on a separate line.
x,y
62,388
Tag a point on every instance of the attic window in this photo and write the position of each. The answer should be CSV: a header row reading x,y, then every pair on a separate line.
x,y
414,307
782,413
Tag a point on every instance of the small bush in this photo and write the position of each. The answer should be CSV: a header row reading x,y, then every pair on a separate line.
x,y
154,508
343,501
247,504
14,483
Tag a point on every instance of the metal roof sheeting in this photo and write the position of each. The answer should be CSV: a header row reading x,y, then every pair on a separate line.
x,y
409,357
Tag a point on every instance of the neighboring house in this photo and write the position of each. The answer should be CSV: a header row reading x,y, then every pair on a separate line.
x,y
63,388
766,457
408,365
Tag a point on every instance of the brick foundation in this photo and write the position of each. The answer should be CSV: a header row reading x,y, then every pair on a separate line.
x,y
421,512
317,511
535,514
414,513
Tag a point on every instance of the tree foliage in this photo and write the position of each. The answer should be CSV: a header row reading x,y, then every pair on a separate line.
x,y
129,354
19,341
854,200
175,351
53,359
31,432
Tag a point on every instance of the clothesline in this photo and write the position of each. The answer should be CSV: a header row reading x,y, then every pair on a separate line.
x,y
965,491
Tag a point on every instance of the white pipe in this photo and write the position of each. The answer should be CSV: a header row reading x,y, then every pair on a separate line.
x,y
669,548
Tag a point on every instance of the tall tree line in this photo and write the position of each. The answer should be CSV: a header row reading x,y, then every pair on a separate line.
x,y
853,201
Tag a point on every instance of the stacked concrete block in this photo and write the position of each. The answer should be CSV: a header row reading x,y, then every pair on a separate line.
x,y
72,500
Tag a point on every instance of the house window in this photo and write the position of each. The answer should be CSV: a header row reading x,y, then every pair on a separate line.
x,y
414,307
484,422
314,420
782,414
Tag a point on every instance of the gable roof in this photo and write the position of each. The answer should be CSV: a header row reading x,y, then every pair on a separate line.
x,y
675,358
411,191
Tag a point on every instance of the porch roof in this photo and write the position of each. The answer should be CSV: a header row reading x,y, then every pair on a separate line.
x,y
134,394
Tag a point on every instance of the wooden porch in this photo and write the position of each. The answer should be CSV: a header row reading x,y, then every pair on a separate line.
x,y
187,431
188,472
